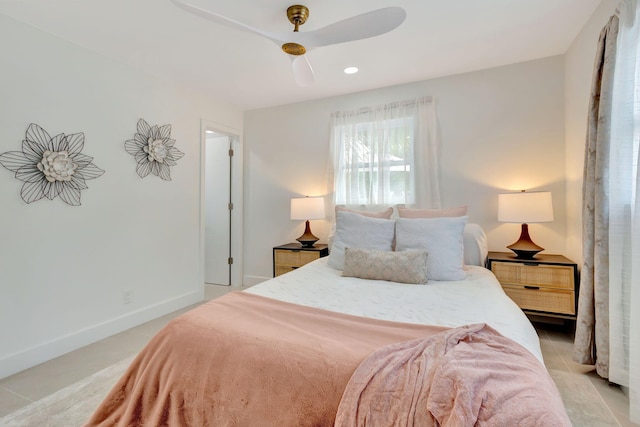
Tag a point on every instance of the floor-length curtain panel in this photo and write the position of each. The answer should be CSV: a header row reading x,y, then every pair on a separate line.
x,y
386,155
592,327
427,156
624,212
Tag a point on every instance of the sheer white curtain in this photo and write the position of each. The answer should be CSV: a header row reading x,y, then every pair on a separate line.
x,y
624,211
386,155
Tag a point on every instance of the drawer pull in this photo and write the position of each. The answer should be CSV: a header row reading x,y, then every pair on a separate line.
x,y
531,264
532,287
293,268
295,250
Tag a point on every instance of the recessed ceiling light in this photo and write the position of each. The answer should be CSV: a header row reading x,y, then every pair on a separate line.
x,y
351,70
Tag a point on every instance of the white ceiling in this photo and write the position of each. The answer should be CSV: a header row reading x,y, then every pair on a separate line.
x,y
438,38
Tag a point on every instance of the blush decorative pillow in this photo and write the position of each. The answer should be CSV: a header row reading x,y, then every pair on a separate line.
x,y
431,213
358,231
373,214
401,267
441,238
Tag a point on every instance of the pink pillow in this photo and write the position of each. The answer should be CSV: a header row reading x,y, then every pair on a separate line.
x,y
432,213
386,214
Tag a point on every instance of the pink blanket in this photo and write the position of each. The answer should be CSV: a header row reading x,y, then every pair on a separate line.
x,y
467,376
246,360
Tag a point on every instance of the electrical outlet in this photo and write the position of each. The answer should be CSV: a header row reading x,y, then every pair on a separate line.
x,y
127,296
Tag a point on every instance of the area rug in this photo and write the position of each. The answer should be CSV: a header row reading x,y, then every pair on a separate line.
x,y
73,405
70,407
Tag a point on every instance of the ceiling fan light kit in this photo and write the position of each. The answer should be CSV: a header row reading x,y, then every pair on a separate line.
x,y
296,44
294,49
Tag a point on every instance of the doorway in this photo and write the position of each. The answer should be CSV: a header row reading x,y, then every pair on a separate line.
x,y
221,216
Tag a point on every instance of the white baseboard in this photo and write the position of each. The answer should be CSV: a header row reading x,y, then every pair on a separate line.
x,y
40,353
249,281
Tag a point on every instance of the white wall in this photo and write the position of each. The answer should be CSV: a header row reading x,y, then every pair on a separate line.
x,y
502,130
579,61
63,269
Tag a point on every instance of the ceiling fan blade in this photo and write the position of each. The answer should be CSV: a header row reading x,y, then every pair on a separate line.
x,y
302,71
369,24
220,19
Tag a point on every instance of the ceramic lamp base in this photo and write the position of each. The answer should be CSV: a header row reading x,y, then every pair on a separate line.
x,y
307,239
524,248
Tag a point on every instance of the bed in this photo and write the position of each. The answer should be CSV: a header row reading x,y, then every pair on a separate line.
x,y
314,347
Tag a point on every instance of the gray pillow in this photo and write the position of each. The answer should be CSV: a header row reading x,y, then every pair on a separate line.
x,y
401,267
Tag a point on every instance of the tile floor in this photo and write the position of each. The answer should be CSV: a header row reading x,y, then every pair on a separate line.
x,y
32,384
556,342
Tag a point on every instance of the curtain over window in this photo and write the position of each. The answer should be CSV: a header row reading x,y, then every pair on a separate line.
x,y
591,344
624,210
386,155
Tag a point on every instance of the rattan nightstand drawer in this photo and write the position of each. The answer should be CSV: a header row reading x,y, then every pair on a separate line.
x,y
544,276
555,301
286,258
282,270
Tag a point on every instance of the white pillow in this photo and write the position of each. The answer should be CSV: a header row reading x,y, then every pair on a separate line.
x,y
362,211
441,238
358,231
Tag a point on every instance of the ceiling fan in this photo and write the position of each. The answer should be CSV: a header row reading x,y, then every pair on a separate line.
x,y
296,44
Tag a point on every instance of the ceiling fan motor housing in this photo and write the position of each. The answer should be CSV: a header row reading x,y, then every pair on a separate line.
x,y
297,15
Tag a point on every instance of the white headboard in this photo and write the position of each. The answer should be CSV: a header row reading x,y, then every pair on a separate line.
x,y
475,245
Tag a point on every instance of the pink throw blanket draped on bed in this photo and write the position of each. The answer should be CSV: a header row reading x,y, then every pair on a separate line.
x,y
246,360
467,376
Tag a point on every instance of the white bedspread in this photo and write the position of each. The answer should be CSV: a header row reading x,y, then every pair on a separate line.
x,y
477,299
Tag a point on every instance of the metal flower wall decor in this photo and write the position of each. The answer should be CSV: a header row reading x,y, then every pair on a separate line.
x,y
154,150
51,166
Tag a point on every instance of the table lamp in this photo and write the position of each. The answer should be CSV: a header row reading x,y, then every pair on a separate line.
x,y
306,208
525,208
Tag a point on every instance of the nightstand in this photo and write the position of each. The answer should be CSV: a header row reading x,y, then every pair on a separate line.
x,y
545,286
292,255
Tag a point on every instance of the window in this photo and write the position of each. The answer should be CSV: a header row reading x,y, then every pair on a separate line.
x,y
386,155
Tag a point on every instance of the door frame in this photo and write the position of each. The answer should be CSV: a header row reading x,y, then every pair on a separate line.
x,y
236,198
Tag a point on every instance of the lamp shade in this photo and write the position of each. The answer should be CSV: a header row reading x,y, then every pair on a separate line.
x,y
525,208
305,208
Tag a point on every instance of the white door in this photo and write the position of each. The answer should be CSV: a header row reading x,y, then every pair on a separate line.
x,y
217,214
